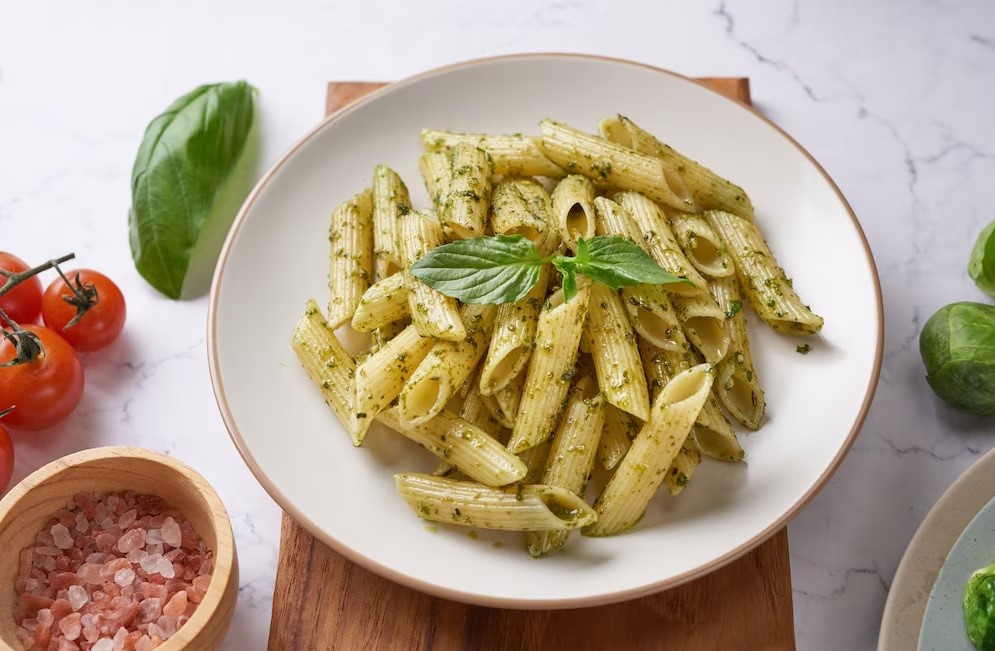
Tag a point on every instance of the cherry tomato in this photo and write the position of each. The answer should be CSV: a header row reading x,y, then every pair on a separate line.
x,y
6,459
23,303
44,390
100,325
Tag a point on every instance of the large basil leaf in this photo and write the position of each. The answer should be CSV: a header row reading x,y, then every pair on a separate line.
x,y
193,170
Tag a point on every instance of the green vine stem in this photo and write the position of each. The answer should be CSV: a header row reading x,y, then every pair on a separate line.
x,y
27,345
16,278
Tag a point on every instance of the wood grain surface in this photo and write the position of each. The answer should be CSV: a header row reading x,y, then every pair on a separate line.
x,y
322,601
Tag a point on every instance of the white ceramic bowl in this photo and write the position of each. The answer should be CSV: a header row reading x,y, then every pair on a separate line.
x,y
276,257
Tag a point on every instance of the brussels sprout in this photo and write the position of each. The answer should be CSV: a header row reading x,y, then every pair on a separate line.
x,y
957,345
982,264
979,608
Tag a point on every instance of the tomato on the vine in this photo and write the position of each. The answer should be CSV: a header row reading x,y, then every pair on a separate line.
x,y
45,389
6,459
23,302
103,314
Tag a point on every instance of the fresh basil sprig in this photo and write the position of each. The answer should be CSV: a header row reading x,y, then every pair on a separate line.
x,y
193,170
503,269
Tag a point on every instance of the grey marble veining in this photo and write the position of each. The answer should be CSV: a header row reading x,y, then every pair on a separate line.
x,y
893,97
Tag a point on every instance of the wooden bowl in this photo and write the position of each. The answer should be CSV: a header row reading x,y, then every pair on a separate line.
x,y
26,508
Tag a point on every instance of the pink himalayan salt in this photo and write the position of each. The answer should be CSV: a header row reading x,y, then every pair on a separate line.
x,y
83,581
177,605
61,536
104,644
70,626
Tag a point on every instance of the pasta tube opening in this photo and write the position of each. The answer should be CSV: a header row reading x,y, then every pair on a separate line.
x,y
717,445
740,397
571,509
709,336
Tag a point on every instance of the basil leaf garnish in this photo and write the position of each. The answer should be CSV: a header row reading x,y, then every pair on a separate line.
x,y
192,172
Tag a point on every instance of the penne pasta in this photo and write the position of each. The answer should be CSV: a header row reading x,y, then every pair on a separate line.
x,y
708,190
386,301
762,280
511,155
433,313
712,434
701,245
446,367
681,471
571,456
509,399
381,377
390,202
704,324
535,460
476,413
515,508
329,366
616,438
385,333
436,170
551,369
737,383
521,207
652,315
514,334
573,209
620,167
468,448
649,228
616,356
350,262
624,500
464,213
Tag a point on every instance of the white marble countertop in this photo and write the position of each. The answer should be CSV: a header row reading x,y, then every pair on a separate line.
x,y
894,97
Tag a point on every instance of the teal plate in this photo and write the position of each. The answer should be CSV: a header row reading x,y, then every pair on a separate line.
x,y
943,627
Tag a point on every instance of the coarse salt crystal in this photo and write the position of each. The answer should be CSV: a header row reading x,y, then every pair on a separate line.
x,y
70,626
105,541
61,536
47,550
150,563
124,577
177,605
154,549
96,558
82,524
104,644
66,645
89,573
45,617
119,637
31,585
165,568
77,597
112,501
127,519
131,541
171,533
136,555
154,537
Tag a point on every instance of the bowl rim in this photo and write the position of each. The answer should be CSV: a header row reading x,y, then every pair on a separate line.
x,y
510,602
215,597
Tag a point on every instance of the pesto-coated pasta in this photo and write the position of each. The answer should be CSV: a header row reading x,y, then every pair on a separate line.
x,y
652,315
511,155
708,190
601,160
648,227
386,301
737,383
330,368
573,209
704,324
681,471
616,438
390,202
350,262
381,377
468,448
445,368
571,456
514,508
551,369
433,313
616,356
464,213
622,503
436,170
762,279
521,207
702,246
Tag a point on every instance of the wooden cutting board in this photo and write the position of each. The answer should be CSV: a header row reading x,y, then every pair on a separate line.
x,y
322,601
